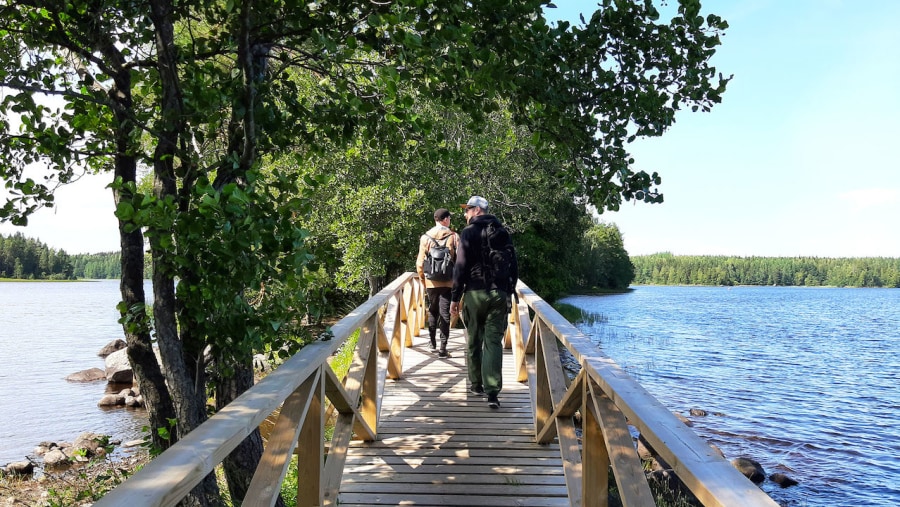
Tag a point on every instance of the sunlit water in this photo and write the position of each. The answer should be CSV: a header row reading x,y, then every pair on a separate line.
x,y
806,380
49,330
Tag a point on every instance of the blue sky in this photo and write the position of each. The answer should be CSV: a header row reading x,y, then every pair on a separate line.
x,y
800,158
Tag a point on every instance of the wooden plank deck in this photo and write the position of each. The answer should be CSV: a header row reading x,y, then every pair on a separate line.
x,y
440,445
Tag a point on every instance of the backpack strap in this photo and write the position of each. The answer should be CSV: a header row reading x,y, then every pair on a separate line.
x,y
439,242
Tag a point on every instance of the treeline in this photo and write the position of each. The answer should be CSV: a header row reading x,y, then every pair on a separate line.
x,y
98,266
29,259
668,269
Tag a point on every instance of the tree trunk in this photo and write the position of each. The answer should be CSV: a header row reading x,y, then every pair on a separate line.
x,y
376,283
242,462
188,391
136,322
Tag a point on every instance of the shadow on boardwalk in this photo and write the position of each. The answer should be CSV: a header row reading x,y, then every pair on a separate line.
x,y
440,445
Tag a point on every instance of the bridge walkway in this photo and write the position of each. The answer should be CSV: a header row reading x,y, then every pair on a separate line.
x,y
441,445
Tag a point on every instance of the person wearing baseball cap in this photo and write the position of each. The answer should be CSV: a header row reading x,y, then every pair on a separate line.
x,y
476,201
437,288
488,295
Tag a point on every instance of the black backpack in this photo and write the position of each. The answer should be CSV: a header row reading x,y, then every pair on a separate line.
x,y
499,255
438,260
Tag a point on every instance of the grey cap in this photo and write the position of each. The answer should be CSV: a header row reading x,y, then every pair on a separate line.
x,y
477,201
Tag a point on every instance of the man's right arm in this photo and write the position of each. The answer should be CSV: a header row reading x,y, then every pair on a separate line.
x,y
420,259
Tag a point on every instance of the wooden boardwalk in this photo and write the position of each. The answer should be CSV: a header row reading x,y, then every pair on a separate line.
x,y
440,445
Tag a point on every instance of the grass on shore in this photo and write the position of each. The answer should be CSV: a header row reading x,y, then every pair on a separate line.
x,y
80,484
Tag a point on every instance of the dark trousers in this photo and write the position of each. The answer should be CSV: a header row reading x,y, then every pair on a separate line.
x,y
485,316
439,314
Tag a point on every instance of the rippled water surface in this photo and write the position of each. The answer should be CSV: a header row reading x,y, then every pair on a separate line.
x,y
49,330
807,380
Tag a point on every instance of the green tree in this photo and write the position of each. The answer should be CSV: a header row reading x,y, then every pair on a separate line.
x,y
607,264
23,257
202,93
796,271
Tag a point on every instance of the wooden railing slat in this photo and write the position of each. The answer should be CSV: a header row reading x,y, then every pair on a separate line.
x,y
342,403
394,330
595,459
371,388
311,439
266,483
570,404
523,329
172,474
622,456
337,456
565,426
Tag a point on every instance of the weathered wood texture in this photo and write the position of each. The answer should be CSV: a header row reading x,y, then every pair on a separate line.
x,y
407,432
439,445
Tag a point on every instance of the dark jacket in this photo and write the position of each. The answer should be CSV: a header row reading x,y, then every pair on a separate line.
x,y
468,272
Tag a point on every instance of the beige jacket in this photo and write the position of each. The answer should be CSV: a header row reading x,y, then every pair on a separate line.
x,y
438,232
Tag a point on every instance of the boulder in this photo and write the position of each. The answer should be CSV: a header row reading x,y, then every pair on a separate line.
x,y
111,400
698,412
750,468
43,448
88,375
55,458
113,346
647,454
118,369
19,468
782,480
89,445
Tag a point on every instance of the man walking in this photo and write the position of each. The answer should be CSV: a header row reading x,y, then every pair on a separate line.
x,y
438,241
486,271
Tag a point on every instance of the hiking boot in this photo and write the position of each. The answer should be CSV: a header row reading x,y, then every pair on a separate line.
x,y
477,390
493,402
443,354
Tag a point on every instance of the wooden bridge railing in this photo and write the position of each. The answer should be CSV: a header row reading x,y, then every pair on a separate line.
x,y
386,323
609,400
606,396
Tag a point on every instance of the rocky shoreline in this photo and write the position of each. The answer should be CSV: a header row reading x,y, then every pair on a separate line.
x,y
50,456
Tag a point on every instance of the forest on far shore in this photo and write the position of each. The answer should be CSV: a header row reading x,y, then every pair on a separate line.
x,y
24,258
669,269
29,259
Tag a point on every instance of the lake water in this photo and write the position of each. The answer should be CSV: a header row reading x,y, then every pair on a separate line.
x,y
807,380
49,330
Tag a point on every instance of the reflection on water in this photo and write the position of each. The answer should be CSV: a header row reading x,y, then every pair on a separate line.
x,y
805,379
49,330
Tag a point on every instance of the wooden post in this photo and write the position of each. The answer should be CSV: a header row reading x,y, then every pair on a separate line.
x,y
595,457
310,486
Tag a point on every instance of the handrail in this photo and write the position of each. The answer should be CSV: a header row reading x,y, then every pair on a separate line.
x,y
609,401
607,397
387,322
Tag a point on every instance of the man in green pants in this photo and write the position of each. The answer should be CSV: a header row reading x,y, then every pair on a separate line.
x,y
486,271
